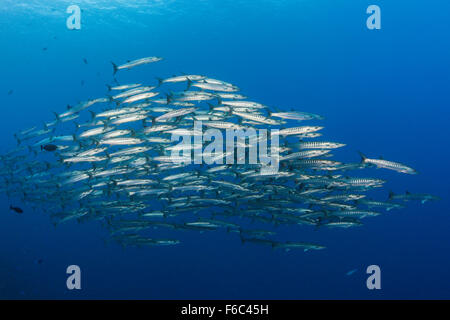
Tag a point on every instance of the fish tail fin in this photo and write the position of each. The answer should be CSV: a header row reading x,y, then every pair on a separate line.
x,y
211,107
42,147
391,195
56,115
109,87
114,68
17,138
96,141
169,97
189,84
318,224
160,81
236,173
363,157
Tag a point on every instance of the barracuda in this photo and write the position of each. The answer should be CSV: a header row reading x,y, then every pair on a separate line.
x,y
175,114
135,63
121,141
112,159
387,165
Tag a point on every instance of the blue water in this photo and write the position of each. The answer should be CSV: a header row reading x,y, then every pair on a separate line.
x,y
384,92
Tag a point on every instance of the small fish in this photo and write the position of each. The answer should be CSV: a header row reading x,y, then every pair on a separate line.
x,y
299,130
175,114
124,87
320,145
16,209
141,96
422,197
299,116
243,104
215,87
349,273
181,79
255,117
380,163
300,245
122,141
49,147
134,63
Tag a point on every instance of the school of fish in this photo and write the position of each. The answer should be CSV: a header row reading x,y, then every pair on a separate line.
x,y
109,159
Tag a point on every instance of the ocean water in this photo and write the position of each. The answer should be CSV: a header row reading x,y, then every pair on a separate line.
x,y
384,92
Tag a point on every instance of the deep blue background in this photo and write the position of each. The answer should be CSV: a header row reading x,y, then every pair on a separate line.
x,y
384,92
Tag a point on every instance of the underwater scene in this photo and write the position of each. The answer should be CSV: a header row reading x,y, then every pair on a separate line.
x,y
206,149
